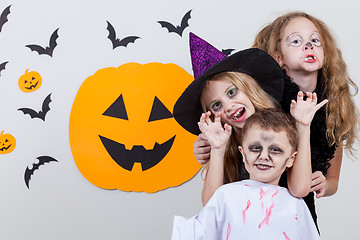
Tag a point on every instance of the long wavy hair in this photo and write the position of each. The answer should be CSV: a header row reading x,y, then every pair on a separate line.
x,y
233,169
341,113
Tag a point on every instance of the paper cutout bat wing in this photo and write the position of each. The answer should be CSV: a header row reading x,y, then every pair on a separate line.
x,y
2,66
3,17
228,51
178,29
35,166
47,50
40,114
117,42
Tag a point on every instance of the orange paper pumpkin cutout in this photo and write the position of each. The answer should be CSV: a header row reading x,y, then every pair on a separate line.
x,y
30,81
122,132
7,143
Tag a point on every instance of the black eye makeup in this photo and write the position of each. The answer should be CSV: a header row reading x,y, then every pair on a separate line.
x,y
275,150
255,148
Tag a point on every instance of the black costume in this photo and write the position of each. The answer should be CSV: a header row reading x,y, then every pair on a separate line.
x,y
321,152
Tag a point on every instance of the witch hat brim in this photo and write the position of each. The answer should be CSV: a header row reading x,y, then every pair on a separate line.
x,y
254,62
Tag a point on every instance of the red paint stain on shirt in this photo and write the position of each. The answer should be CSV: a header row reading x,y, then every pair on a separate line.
x,y
286,237
248,204
228,231
269,210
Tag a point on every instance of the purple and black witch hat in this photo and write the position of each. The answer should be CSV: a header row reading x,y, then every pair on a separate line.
x,y
208,61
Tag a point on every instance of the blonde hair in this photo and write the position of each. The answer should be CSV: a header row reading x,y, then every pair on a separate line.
x,y
260,99
341,113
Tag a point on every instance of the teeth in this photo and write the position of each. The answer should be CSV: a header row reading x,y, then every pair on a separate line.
x,y
263,167
310,57
238,114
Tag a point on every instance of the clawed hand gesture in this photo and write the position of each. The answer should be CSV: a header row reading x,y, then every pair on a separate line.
x,y
304,110
215,133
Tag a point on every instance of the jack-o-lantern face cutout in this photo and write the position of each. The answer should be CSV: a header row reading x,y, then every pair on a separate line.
x,y
122,132
7,143
30,81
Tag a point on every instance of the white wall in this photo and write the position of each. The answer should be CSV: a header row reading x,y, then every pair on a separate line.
x,y
61,203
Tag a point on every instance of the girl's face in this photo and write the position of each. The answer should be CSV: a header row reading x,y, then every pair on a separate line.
x,y
266,154
221,96
301,49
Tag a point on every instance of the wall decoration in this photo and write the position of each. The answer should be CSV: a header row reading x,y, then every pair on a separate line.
x,y
3,17
117,42
2,66
227,51
47,50
178,29
38,114
30,81
7,143
122,132
29,172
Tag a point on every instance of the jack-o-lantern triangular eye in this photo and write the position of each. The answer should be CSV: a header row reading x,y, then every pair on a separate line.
x,y
117,109
159,111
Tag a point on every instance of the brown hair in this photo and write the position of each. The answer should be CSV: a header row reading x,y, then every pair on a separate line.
x,y
260,99
341,114
273,119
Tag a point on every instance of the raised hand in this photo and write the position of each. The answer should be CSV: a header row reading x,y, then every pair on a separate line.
x,y
304,111
215,133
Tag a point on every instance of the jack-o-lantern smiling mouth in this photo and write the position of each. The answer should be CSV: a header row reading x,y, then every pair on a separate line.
x,y
32,86
5,148
126,158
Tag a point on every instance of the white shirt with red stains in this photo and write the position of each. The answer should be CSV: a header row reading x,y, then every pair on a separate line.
x,y
249,210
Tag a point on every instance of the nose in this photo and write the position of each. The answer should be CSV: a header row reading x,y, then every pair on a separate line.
x,y
228,106
264,156
308,46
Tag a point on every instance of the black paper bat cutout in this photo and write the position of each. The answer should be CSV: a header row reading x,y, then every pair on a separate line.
x,y
2,66
47,50
3,17
228,51
117,42
178,29
35,166
40,114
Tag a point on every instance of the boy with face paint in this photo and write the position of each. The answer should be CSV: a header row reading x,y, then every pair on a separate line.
x,y
268,145
256,208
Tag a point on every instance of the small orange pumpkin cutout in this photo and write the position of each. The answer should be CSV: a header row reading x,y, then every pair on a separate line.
x,y
30,81
7,143
122,132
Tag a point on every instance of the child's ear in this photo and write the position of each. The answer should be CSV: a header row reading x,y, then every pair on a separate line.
x,y
291,159
279,58
241,150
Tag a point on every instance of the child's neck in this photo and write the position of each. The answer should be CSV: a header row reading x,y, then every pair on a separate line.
x,y
305,80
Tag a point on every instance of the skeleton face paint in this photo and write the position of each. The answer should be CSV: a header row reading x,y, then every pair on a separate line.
x,y
266,154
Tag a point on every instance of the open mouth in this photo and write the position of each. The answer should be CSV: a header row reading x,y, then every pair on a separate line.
x,y
5,148
310,58
239,115
263,167
126,158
